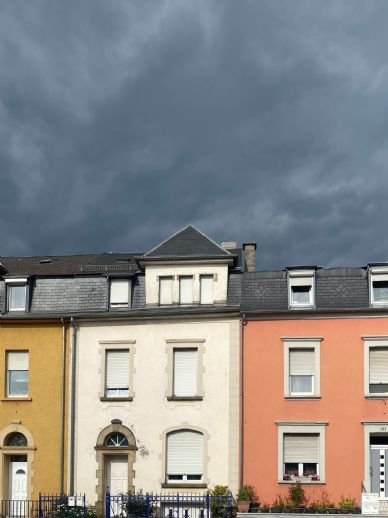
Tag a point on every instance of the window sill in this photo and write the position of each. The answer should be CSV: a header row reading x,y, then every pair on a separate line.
x,y
104,398
302,397
303,481
184,398
184,485
16,399
376,396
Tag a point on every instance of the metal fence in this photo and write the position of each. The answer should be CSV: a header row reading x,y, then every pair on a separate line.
x,y
47,506
169,505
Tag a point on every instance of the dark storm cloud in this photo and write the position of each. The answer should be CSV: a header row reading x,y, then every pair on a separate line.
x,y
121,121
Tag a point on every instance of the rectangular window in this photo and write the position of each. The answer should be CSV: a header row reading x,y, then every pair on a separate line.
x,y
186,289
17,373
301,288
185,375
117,373
165,290
207,289
119,293
302,367
301,455
16,297
378,285
378,370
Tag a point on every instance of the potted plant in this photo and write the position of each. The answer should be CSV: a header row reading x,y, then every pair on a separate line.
x,y
347,505
245,495
296,497
264,508
278,504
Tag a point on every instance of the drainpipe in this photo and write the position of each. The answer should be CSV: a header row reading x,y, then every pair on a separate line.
x,y
63,402
241,474
72,404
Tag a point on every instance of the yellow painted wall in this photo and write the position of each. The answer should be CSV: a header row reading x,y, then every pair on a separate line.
x,y
42,415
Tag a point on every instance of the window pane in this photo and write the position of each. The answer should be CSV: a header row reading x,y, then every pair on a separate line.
x,y
165,290
17,383
300,294
207,282
301,384
291,468
17,297
309,469
378,388
380,291
186,290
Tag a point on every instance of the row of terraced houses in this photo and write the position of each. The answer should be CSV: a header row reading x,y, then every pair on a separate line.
x,y
183,367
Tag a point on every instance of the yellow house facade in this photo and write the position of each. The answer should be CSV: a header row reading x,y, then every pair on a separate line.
x,y
33,404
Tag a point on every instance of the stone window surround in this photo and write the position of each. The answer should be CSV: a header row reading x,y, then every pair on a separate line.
x,y
372,341
106,345
179,484
188,343
307,342
300,427
196,286
6,451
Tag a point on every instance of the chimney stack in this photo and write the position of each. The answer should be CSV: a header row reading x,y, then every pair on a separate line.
x,y
249,256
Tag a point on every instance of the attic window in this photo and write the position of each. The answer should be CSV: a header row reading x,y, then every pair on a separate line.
x,y
301,288
378,286
16,293
123,261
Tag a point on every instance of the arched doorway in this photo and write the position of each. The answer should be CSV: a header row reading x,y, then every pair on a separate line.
x,y
17,455
115,454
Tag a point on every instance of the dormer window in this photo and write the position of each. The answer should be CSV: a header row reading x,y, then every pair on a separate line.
x,y
120,291
186,289
378,285
165,290
17,294
301,292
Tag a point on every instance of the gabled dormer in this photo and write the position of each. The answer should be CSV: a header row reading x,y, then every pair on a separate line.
x,y
187,269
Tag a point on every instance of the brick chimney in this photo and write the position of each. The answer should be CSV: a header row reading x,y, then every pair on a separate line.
x,y
249,256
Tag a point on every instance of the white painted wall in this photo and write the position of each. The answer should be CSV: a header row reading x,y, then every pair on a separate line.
x,y
150,414
154,271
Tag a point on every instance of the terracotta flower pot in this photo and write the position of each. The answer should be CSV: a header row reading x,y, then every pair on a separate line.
x,y
243,506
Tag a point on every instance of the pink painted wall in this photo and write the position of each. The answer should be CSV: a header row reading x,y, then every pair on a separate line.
x,y
342,401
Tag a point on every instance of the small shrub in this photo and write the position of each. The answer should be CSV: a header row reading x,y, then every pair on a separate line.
x,y
347,503
296,495
217,502
63,511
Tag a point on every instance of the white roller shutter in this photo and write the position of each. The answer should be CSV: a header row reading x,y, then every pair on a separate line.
x,y
17,361
186,290
207,295
185,453
301,281
302,362
301,448
378,365
185,372
119,292
117,369
165,290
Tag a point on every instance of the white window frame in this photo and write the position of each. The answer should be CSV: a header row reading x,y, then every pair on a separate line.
x,y
372,342
114,345
120,305
16,282
176,344
8,371
180,279
201,278
295,278
299,428
377,273
312,343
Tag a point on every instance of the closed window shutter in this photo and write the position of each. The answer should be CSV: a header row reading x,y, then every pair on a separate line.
x,y
17,361
165,290
186,290
301,448
185,453
185,372
119,291
302,362
117,369
301,281
378,365
207,295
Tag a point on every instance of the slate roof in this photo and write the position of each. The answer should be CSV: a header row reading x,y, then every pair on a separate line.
x,y
67,264
335,289
186,243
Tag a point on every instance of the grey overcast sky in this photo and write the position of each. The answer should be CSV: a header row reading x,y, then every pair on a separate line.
x,y
254,120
